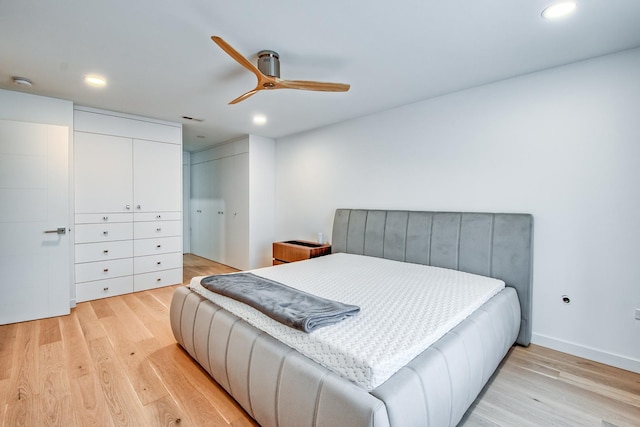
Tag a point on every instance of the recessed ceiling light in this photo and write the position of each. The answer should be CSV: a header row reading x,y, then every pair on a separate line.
x,y
259,119
21,81
558,10
95,81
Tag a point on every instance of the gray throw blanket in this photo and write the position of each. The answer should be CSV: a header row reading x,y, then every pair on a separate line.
x,y
292,307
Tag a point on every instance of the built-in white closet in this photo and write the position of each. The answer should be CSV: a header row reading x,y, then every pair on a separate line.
x,y
232,202
128,203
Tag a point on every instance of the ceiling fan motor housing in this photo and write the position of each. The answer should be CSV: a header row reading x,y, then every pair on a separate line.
x,y
269,63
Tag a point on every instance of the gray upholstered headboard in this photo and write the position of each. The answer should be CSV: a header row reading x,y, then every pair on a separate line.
x,y
491,244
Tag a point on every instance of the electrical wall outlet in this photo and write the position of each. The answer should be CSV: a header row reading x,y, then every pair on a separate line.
x,y
637,313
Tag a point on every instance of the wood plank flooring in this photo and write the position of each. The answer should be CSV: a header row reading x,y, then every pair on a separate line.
x,y
114,362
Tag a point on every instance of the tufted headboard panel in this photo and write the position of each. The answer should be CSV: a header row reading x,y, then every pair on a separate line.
x,y
490,244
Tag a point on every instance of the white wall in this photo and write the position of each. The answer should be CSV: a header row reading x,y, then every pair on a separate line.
x,y
563,144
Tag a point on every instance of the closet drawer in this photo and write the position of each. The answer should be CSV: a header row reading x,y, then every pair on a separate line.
x,y
162,245
95,218
104,288
146,264
157,216
157,279
149,230
100,270
103,251
88,233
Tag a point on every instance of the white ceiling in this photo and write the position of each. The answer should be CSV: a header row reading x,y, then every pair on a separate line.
x,y
160,61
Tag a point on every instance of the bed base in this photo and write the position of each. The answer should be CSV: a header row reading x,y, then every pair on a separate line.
x,y
278,386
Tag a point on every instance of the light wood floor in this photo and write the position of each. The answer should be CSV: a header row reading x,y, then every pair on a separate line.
x,y
114,362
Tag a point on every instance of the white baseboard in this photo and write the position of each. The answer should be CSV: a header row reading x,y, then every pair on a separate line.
x,y
622,362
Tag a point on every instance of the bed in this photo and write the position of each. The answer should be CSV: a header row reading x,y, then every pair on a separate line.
x,y
279,386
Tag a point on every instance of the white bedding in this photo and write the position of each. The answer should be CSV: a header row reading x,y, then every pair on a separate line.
x,y
404,309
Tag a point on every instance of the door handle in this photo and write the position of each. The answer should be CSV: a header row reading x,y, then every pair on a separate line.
x,y
59,230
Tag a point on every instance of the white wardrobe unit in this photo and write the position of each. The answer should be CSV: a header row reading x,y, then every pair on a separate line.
x,y
128,203
220,205
229,224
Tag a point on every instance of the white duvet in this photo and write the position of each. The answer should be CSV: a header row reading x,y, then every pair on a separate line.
x,y
404,309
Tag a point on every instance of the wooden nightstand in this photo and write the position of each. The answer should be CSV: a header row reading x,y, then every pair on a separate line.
x,y
298,250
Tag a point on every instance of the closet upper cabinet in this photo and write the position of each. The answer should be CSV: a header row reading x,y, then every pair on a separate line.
x,y
157,176
126,164
103,173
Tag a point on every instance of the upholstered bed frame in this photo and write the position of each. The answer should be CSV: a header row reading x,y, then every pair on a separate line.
x,y
278,386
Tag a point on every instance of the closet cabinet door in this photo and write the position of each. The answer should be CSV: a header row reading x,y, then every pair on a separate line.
x,y
201,210
157,176
103,173
235,190
218,180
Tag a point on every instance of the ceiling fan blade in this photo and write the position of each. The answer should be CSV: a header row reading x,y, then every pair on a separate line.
x,y
309,85
244,96
237,56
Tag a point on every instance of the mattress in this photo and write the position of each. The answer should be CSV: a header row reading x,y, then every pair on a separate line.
x,y
404,309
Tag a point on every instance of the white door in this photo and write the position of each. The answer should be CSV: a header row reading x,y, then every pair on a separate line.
x,y
218,210
35,264
236,216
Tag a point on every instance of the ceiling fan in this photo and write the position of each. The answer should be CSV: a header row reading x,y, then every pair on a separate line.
x,y
268,73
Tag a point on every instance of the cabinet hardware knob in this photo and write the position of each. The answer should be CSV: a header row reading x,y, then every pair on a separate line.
x,y
138,207
158,229
105,233
159,262
105,218
128,207
106,251
158,246
158,216
158,280
105,289
105,270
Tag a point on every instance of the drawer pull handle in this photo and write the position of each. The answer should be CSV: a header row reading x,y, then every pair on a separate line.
x,y
138,207
158,246
105,233
158,280
106,251
106,270
158,216
105,218
105,289
159,262
158,229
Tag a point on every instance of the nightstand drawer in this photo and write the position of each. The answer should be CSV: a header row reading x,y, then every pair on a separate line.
x,y
298,250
